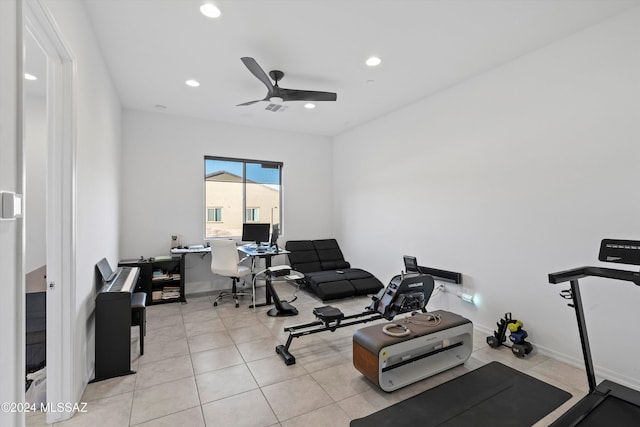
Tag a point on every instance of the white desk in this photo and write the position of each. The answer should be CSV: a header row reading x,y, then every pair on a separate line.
x,y
182,251
250,250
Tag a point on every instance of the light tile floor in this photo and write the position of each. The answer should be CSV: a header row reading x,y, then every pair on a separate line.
x,y
206,366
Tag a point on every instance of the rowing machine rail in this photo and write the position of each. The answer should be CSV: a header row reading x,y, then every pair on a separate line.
x,y
403,294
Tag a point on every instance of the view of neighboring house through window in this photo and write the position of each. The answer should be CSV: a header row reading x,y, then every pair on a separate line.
x,y
214,214
239,191
252,215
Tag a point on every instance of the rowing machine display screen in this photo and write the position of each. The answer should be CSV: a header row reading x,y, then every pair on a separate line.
x,y
408,292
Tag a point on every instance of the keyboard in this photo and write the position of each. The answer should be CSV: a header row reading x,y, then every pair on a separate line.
x,y
123,281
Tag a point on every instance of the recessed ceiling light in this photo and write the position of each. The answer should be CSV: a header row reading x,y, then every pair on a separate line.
x,y
30,76
210,10
192,83
309,106
373,61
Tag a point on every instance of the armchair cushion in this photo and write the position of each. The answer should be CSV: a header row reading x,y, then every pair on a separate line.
x,y
327,288
327,274
365,283
303,256
330,255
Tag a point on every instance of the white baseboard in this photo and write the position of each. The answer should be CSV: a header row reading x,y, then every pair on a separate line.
x,y
601,373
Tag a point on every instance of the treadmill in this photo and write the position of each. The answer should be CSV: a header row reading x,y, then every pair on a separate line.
x,y
607,403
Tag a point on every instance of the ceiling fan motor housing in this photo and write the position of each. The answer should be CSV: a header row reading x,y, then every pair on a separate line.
x,y
276,75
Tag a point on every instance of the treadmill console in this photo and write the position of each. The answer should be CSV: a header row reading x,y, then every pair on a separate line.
x,y
620,251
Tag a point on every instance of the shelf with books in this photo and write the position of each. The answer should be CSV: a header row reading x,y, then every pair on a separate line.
x,y
162,278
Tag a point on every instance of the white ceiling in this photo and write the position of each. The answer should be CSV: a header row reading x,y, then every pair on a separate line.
x,y
153,46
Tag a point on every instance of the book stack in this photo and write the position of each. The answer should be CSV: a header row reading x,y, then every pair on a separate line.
x,y
159,275
170,292
156,295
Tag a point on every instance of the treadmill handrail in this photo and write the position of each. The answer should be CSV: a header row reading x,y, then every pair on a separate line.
x,y
609,273
596,395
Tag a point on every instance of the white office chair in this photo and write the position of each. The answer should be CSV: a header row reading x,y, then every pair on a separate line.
x,y
226,262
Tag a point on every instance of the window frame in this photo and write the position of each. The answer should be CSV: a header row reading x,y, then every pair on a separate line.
x,y
264,163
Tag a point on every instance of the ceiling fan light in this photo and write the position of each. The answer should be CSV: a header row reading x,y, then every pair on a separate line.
x,y
373,61
276,100
210,10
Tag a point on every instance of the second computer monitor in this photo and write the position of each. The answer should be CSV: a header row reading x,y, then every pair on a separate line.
x,y
255,232
275,233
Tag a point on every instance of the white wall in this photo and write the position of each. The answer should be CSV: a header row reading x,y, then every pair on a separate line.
x,y
507,177
12,301
162,189
98,141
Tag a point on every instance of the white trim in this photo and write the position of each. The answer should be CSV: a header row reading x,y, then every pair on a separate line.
x,y
577,362
21,235
61,208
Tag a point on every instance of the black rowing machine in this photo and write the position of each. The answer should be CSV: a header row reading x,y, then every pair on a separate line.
x,y
404,293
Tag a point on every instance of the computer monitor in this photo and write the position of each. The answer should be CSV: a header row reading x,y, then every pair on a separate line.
x,y
275,233
255,232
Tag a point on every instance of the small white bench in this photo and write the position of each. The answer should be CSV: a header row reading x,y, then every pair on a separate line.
x,y
428,347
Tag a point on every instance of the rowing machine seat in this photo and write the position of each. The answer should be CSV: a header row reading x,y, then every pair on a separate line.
x,y
328,314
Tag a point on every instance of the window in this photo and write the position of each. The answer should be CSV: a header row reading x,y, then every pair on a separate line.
x,y
252,215
247,190
214,214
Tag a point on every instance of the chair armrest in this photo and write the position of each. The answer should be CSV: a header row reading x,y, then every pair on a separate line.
x,y
247,257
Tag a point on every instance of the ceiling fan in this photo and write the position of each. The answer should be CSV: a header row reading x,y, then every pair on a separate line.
x,y
277,94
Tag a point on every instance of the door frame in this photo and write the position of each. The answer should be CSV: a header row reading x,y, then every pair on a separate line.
x,y
60,207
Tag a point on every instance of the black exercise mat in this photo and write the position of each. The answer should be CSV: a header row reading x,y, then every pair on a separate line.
x,y
493,396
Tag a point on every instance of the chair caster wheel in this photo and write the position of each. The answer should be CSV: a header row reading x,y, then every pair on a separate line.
x,y
215,303
237,305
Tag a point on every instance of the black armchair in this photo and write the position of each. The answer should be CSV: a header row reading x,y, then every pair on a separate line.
x,y
327,274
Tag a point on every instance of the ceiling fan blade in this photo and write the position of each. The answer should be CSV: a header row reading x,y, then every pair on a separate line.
x,y
249,103
257,71
306,95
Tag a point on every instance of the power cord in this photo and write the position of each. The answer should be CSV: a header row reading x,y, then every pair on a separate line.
x,y
441,288
430,320
404,330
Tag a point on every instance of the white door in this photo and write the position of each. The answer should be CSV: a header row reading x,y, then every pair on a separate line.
x,y
56,220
